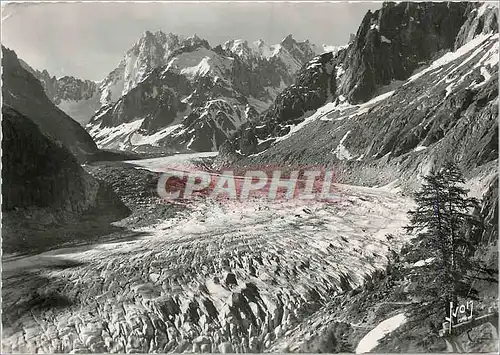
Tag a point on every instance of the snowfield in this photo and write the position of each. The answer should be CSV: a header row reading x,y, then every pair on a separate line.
x,y
371,340
224,276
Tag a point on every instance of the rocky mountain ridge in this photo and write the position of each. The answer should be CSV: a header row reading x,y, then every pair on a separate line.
x,y
294,54
446,110
23,92
44,187
76,97
66,87
197,98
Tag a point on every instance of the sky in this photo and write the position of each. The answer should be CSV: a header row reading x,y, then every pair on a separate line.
x,y
88,39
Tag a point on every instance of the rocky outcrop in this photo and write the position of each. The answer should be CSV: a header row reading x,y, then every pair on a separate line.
x,y
24,93
301,51
482,19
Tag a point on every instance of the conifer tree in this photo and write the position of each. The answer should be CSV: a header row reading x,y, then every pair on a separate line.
x,y
443,223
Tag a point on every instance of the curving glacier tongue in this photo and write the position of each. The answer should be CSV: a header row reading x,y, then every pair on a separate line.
x,y
225,277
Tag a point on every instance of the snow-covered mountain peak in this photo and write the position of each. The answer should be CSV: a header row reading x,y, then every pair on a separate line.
x,y
151,51
157,44
235,43
292,53
199,96
190,72
199,63
195,41
158,49
243,49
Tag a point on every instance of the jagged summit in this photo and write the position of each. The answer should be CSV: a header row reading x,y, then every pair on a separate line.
x,y
292,53
288,38
195,41
417,86
194,96
242,73
159,35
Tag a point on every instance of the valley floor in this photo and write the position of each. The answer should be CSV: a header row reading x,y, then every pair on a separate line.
x,y
218,276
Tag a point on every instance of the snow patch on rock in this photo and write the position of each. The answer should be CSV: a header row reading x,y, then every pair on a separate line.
x,y
371,340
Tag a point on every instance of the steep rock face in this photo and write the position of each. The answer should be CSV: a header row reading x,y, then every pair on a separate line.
x,y
446,111
150,52
312,88
39,172
394,41
489,210
66,88
47,197
199,98
23,92
301,51
389,45
481,20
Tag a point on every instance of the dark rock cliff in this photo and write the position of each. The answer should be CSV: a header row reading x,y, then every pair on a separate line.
x,y
489,210
394,41
46,194
40,172
312,88
23,92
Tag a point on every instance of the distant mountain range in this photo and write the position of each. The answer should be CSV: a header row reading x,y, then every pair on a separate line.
x,y
176,94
